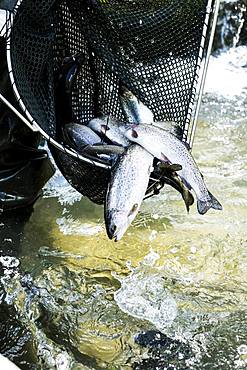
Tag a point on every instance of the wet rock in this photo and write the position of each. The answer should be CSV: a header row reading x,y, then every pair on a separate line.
x,y
16,341
164,352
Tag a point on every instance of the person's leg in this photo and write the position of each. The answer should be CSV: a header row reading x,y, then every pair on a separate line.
x,y
24,169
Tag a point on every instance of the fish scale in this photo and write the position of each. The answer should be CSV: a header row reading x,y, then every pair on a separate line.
x,y
164,145
127,188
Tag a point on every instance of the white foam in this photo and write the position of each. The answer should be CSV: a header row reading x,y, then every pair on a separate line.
x,y
69,226
59,187
227,73
143,295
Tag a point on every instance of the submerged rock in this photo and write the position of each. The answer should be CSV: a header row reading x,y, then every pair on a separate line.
x,y
163,352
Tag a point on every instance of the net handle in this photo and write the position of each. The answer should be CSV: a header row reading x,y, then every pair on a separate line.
x,y
204,69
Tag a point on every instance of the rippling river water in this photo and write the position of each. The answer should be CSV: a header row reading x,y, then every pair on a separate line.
x,y
172,294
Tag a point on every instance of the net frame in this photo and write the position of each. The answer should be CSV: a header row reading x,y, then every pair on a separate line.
x,y
28,120
193,111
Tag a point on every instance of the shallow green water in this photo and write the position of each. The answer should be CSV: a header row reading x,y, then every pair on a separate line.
x,y
84,299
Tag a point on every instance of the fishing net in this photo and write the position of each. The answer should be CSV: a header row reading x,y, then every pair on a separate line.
x,y
153,47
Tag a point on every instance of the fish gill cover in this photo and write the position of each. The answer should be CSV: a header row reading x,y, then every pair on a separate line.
x,y
153,47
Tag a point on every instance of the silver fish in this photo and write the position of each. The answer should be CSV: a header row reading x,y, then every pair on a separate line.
x,y
127,187
81,135
85,140
167,148
134,110
109,127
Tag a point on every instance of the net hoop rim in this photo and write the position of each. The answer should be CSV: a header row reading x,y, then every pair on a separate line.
x,y
202,67
194,106
30,122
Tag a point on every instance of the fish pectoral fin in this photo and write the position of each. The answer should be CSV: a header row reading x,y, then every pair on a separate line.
x,y
133,209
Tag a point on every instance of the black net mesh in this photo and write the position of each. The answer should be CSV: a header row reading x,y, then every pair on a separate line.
x,y
151,46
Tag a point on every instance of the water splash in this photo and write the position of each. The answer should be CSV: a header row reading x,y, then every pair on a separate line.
x,y
58,187
241,20
26,298
143,295
230,24
227,74
70,226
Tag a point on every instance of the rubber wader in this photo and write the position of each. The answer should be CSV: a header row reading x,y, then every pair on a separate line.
x,y
24,169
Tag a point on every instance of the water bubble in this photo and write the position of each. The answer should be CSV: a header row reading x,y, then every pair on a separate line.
x,y
62,361
153,235
8,240
242,350
193,249
145,297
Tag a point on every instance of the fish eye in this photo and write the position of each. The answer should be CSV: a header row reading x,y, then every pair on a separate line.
x,y
105,127
134,134
133,209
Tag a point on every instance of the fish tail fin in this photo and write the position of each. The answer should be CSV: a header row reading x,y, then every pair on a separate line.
x,y
215,203
204,206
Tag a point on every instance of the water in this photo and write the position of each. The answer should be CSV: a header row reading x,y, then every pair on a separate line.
x,y
230,28
172,294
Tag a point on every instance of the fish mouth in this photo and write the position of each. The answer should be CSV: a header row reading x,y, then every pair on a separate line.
x,y
113,231
111,228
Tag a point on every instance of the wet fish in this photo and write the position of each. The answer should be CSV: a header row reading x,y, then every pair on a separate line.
x,y
85,140
168,174
80,135
110,128
167,148
115,131
134,110
126,190
65,79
